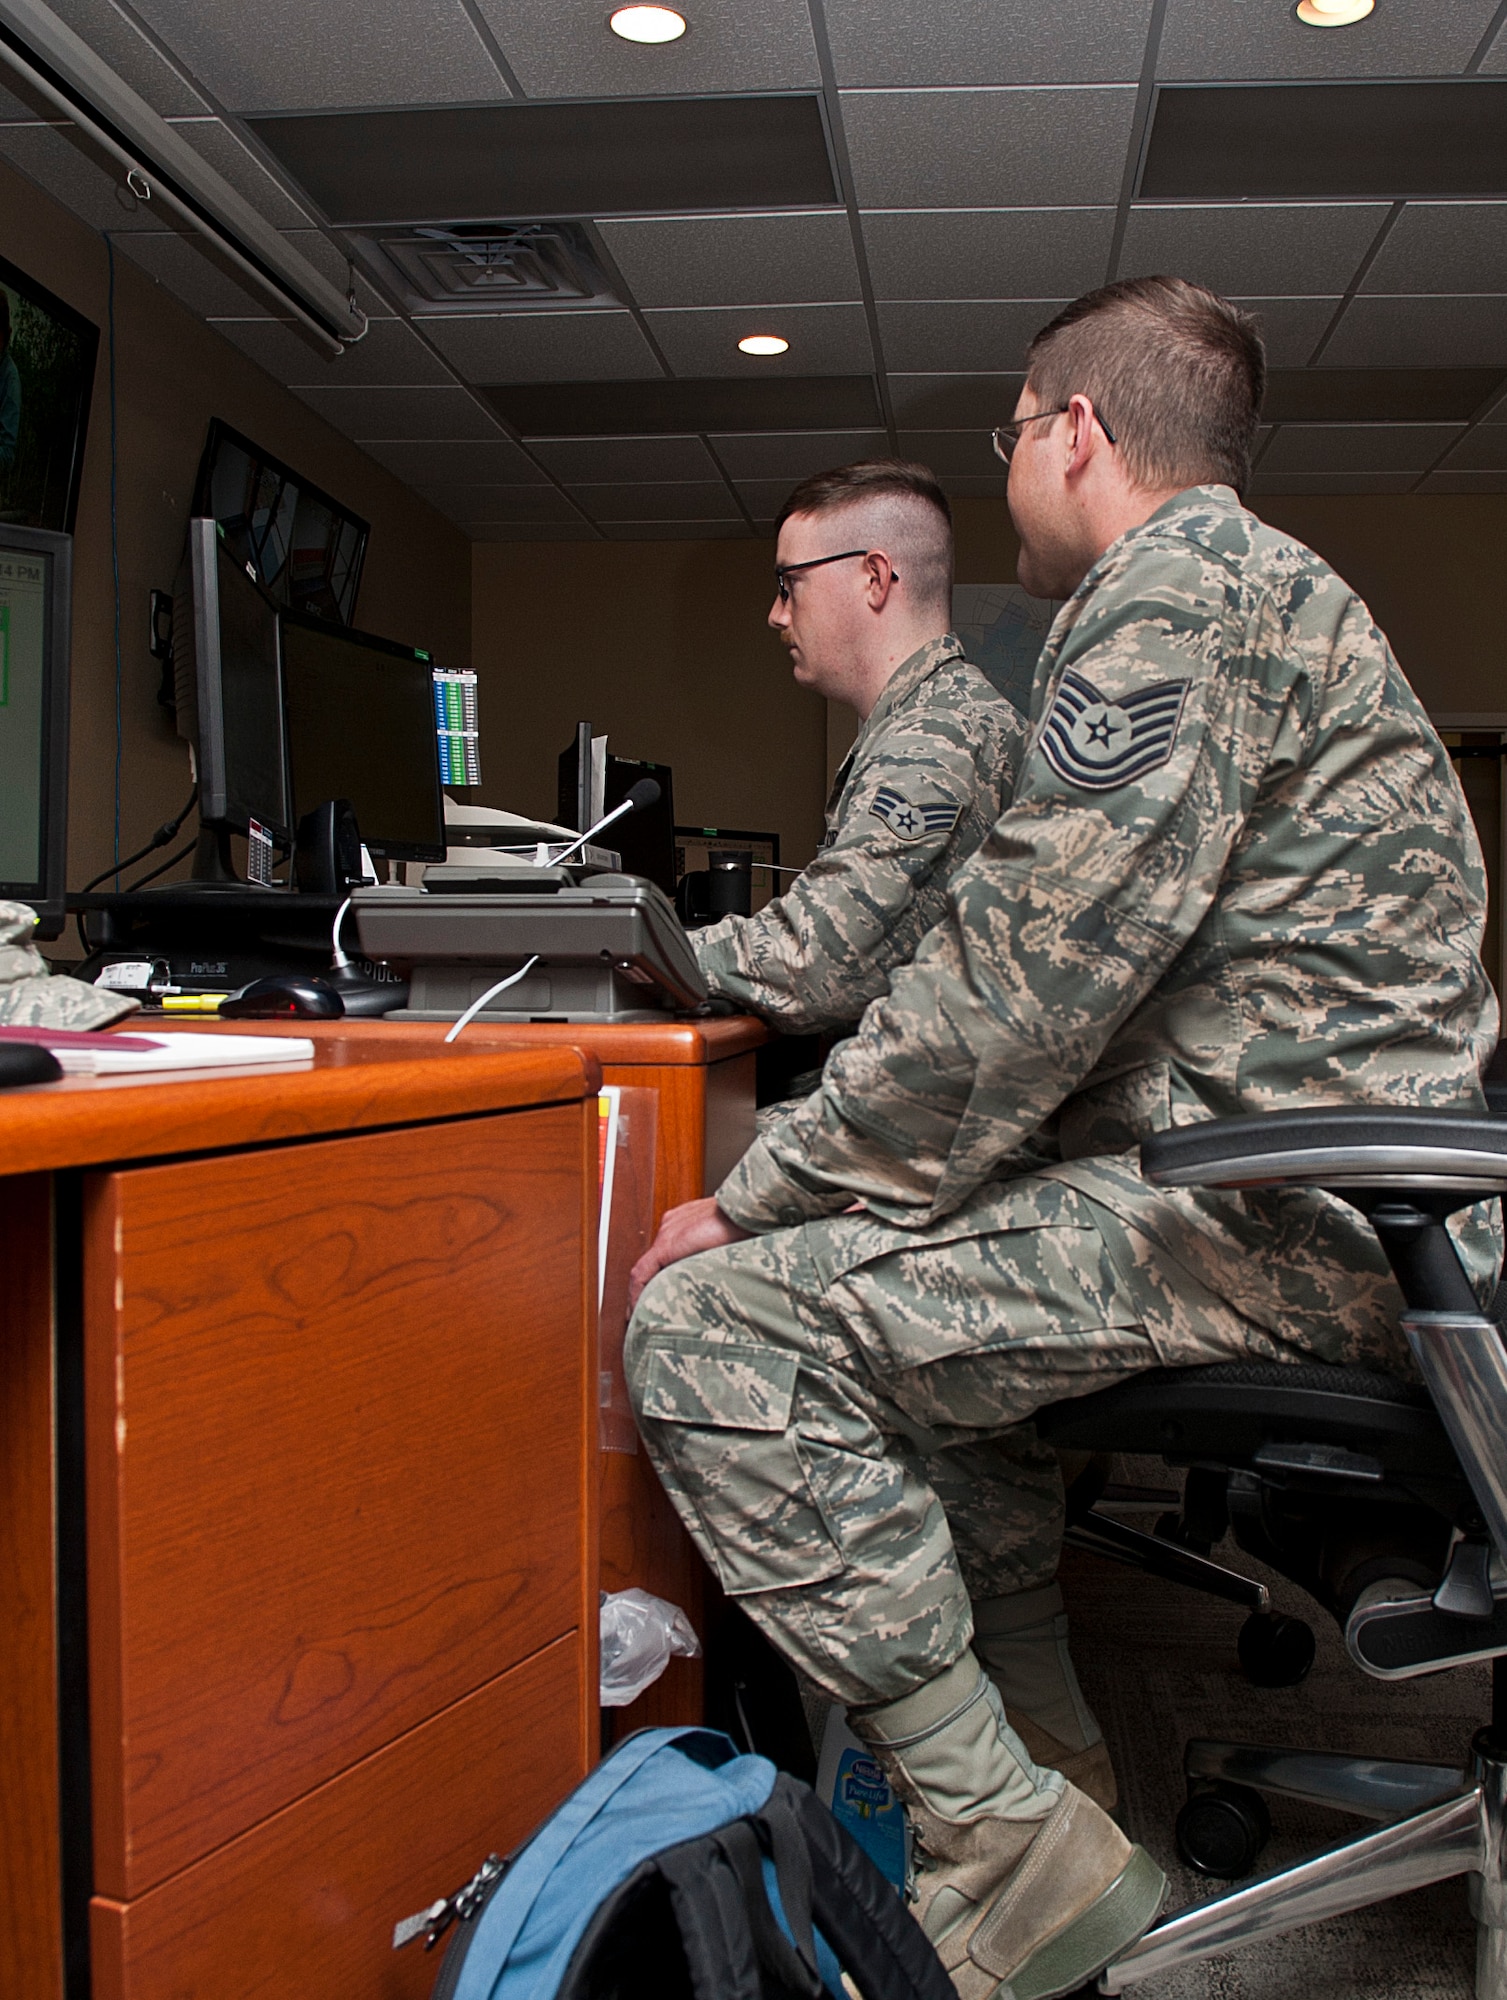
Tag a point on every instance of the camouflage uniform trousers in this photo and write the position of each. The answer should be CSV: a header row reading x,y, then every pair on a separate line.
x,y
841,1412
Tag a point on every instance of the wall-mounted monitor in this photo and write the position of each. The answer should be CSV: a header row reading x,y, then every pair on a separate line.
x,y
47,353
34,599
305,547
360,726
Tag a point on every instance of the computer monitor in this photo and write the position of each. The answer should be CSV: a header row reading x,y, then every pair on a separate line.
x,y
226,673
305,547
35,575
360,726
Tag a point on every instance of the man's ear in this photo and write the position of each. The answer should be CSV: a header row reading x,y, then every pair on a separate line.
x,y
1083,435
882,576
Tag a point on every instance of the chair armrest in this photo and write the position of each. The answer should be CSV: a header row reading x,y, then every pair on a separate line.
x,y
1334,1147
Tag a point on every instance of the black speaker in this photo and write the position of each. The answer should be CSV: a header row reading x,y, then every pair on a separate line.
x,y
327,850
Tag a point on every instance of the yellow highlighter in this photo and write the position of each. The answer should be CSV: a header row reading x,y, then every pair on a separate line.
x,y
192,1003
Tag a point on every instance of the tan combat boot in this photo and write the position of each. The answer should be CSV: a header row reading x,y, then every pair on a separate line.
x,y
1025,1888
1022,1642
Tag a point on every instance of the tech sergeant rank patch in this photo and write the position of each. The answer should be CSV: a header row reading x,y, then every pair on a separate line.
x,y
1099,744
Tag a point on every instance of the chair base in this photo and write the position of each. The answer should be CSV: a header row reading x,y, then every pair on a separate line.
x,y
1454,1824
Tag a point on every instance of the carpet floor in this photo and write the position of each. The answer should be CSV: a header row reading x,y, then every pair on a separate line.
x,y
1158,1666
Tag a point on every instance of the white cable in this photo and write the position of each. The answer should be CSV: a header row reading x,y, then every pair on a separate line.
x,y
491,994
339,957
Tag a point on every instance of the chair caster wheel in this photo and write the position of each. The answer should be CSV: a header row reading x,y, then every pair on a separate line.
x,y
1275,1651
1222,1830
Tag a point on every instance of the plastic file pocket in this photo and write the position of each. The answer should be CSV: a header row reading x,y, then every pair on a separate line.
x,y
627,1138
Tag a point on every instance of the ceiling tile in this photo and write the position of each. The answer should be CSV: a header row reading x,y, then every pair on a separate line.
x,y
1465,482
1443,246
899,43
1333,482
500,503
497,463
987,148
676,531
564,48
785,457
68,170
675,406
1328,395
334,264
421,414
954,402
963,337
1356,447
963,487
1282,250
214,142
390,355
604,460
1291,328
1421,333
1010,253
1199,40
191,269
26,110
702,500
543,347
729,260
765,498
265,55
1483,449
824,340
1495,61
954,454
128,52
530,531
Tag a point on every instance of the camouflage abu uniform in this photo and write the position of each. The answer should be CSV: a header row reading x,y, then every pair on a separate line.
x,y
1238,875
930,773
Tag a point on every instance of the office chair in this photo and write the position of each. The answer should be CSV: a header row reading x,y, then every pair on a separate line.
x,y
1386,1500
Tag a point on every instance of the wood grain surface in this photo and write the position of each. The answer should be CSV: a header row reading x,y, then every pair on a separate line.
x,y
30,1901
337,1404
302,1907
356,1082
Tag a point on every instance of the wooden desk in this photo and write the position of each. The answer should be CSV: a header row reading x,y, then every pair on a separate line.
x,y
297,1544
703,1073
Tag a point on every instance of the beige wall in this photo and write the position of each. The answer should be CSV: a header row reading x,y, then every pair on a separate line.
x,y
172,375
664,646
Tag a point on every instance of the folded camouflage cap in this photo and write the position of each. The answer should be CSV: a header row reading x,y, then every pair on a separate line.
x,y
33,997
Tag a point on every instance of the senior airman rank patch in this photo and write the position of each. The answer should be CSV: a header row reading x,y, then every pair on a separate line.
x,y
910,822
1098,743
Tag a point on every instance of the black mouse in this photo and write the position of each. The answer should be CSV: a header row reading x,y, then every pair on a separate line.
x,y
25,1062
281,995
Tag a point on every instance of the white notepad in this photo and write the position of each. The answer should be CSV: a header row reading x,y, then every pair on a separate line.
x,y
83,1052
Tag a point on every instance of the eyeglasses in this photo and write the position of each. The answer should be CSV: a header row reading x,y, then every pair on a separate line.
x,y
784,571
1007,437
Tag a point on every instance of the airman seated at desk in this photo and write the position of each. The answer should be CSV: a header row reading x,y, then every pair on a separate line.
x,y
863,606
1238,875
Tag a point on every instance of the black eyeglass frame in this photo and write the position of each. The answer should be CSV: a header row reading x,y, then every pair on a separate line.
x,y
784,571
1012,430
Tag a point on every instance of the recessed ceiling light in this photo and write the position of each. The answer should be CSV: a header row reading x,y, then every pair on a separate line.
x,y
650,24
1333,13
763,343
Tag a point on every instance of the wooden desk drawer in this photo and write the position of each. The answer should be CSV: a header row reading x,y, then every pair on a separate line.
x,y
337,1398
302,1907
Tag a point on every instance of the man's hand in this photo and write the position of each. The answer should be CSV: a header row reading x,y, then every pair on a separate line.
x,y
695,1225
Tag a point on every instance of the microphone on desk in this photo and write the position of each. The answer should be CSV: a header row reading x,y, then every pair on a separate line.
x,y
640,797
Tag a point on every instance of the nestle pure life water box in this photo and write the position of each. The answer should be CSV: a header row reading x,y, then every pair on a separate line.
x,y
851,1783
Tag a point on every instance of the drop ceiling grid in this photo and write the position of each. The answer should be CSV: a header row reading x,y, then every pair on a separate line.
x,y
989,160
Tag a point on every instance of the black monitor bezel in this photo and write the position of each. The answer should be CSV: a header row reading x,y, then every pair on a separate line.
x,y
46,895
376,846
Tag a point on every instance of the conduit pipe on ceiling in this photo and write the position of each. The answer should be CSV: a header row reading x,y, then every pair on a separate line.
x,y
66,73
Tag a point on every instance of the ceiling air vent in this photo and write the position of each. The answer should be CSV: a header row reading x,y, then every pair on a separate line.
x,y
478,267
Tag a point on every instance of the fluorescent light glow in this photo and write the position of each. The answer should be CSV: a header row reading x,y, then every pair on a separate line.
x,y
1333,13
763,343
648,24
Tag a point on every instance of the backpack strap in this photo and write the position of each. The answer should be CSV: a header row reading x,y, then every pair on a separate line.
x,y
792,1965
712,1917
499,1924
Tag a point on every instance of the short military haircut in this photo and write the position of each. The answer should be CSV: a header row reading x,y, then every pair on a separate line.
x,y
892,504
1176,371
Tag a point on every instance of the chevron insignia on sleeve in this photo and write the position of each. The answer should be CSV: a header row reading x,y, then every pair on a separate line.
x,y
1098,743
911,822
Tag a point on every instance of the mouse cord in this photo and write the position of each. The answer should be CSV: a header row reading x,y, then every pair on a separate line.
x,y
491,994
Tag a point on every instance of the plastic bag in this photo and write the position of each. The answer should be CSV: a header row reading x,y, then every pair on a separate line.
x,y
640,1636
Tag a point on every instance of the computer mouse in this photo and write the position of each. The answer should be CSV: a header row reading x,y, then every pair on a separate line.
x,y
24,1062
281,995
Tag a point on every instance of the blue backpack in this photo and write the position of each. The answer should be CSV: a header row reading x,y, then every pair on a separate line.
x,y
681,1870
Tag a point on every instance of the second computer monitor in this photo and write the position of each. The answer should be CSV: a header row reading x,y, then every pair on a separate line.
x,y
360,726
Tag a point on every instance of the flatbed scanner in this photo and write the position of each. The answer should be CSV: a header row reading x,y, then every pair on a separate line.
x,y
610,947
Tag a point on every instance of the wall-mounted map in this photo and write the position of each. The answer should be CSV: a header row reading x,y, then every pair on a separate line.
x,y
1003,630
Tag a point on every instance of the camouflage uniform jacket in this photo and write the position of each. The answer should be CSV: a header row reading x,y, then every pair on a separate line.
x,y
1238,875
929,774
